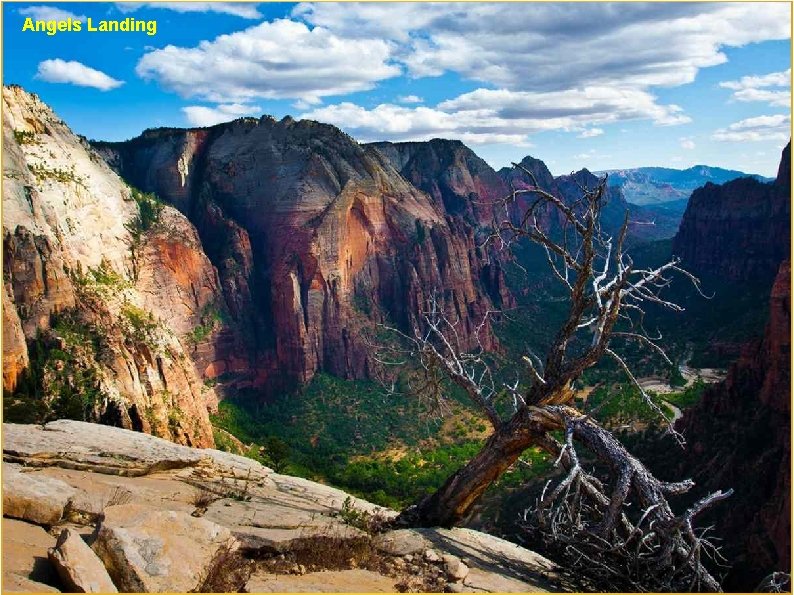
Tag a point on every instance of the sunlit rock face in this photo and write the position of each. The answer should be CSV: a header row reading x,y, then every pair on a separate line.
x,y
84,313
316,239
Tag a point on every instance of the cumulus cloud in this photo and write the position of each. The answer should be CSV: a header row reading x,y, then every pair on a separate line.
x,y
591,132
282,59
687,143
540,66
490,116
556,45
244,10
75,73
760,128
395,122
757,88
500,115
544,66
199,115
410,99
49,13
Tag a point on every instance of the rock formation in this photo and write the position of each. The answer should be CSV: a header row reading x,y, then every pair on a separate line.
x,y
739,230
739,437
96,308
150,515
315,238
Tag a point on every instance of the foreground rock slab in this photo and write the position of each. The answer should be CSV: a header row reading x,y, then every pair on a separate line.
x,y
477,561
78,566
327,581
24,548
150,550
31,497
172,518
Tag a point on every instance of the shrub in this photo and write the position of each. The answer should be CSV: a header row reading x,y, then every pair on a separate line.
x,y
25,137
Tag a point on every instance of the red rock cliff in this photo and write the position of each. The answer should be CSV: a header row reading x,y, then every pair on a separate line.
x,y
739,437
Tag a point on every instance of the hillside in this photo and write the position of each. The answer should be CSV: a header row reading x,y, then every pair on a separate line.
x,y
669,188
739,230
96,509
103,286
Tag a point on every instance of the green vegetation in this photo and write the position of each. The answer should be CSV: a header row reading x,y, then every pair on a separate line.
x,y
676,378
102,280
210,318
42,173
139,325
61,380
150,209
386,448
689,396
25,137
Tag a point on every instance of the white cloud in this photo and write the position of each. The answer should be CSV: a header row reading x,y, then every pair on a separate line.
x,y
555,46
49,13
543,66
773,79
304,104
246,10
755,88
198,115
394,122
546,65
274,60
687,143
410,99
75,73
499,116
591,133
568,108
761,128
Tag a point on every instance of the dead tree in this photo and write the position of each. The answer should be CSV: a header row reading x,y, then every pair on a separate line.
x,y
607,299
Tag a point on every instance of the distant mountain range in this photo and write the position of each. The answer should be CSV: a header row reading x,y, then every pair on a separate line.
x,y
669,188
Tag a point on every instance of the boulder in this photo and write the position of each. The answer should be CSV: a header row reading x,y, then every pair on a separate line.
x,y
151,550
455,569
24,547
78,566
402,542
32,497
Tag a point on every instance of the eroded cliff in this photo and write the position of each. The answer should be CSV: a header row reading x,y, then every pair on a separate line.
x,y
102,286
316,239
739,230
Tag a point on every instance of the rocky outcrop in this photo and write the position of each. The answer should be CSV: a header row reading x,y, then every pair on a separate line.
x,y
315,238
79,568
99,297
739,437
173,518
146,550
739,230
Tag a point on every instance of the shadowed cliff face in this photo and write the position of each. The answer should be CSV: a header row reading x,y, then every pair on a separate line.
x,y
315,238
739,230
93,327
739,437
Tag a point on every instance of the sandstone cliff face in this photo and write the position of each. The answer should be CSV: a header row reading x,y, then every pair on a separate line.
x,y
94,316
739,230
739,437
315,238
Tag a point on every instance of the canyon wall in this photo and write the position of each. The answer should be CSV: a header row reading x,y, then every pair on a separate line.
x,y
95,308
316,239
739,230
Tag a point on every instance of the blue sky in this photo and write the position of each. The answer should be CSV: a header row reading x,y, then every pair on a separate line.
x,y
597,85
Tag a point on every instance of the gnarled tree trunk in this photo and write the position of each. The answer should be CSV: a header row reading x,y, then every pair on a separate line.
x,y
452,501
